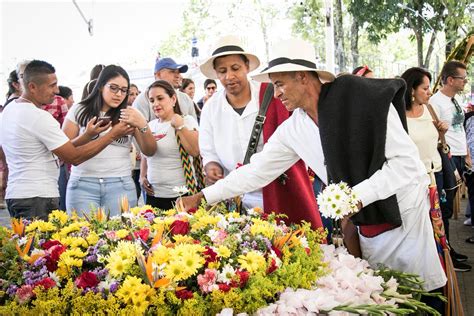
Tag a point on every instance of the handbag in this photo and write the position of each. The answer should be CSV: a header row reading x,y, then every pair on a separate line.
x,y
451,177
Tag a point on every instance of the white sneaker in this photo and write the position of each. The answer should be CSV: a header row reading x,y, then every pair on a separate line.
x,y
468,222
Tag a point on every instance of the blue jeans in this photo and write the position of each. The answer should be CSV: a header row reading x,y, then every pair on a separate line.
x,y
84,193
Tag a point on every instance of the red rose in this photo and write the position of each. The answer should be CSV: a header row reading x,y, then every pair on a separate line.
x,y
184,294
86,280
308,251
272,266
128,237
179,228
243,277
192,210
224,287
47,283
50,243
143,234
210,255
56,251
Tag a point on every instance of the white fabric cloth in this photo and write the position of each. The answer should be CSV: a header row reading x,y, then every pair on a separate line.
x,y
28,137
410,248
112,161
425,136
164,168
455,136
142,104
224,135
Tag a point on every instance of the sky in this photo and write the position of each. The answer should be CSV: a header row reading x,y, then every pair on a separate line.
x,y
127,33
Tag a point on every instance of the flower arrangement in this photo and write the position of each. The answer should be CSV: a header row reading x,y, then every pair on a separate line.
x,y
337,201
154,261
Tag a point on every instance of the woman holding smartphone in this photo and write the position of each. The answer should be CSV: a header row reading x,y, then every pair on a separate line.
x,y
104,179
165,168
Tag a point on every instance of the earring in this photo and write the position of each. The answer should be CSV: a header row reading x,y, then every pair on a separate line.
x,y
412,98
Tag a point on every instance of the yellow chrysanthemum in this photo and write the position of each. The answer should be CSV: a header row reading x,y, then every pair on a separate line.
x,y
58,215
160,255
41,226
73,228
181,239
141,222
260,227
93,238
223,252
118,266
204,221
126,250
122,233
252,262
76,242
170,212
136,210
175,271
214,265
73,252
232,215
192,262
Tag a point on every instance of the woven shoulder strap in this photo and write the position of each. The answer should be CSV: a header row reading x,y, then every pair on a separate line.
x,y
258,125
193,185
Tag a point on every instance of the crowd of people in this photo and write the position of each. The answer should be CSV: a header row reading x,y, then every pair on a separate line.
x,y
256,139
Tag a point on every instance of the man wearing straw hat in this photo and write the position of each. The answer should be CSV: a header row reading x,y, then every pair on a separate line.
x,y
228,124
359,125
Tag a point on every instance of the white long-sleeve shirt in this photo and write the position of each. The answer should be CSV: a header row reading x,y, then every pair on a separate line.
x,y
409,248
224,135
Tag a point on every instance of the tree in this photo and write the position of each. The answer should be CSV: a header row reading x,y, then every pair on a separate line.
x,y
309,22
339,35
424,18
197,20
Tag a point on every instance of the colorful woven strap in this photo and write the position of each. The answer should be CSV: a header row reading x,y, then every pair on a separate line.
x,y
191,183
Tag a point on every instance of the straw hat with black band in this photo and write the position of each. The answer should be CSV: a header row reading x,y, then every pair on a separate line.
x,y
227,45
293,55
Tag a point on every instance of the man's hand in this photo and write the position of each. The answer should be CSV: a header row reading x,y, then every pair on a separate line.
x,y
214,172
185,203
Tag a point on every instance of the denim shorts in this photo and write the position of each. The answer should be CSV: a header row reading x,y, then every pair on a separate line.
x,y
32,208
86,193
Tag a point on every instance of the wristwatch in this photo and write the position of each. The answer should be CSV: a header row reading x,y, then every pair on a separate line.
x,y
143,129
180,127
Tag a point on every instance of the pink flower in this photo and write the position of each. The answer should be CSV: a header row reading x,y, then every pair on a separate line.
x,y
207,281
24,294
111,235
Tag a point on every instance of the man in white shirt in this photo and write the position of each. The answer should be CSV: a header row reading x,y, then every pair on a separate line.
x,y
227,125
32,141
396,185
453,79
166,69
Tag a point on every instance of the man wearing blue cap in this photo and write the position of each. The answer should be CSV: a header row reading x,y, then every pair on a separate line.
x,y
166,69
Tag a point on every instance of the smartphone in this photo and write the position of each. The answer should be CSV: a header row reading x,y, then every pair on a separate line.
x,y
103,120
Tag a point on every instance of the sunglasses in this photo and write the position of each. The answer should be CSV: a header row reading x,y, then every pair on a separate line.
x,y
460,77
115,89
211,88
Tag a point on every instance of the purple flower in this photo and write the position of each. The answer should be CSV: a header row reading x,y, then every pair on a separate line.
x,y
91,259
114,287
12,290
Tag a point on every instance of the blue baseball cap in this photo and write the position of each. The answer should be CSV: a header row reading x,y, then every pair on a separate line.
x,y
169,63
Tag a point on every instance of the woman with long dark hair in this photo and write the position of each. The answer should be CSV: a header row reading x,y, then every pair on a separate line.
x,y
104,179
14,87
165,168
424,132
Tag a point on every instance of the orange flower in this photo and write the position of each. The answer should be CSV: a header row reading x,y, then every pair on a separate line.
x,y
124,206
18,226
26,250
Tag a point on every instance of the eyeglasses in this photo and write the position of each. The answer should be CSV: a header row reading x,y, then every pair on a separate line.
x,y
115,89
460,77
211,88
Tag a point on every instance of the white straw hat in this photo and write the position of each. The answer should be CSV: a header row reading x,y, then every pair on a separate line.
x,y
293,55
227,45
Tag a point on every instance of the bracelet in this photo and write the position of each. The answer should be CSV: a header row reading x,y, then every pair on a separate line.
x,y
143,129
179,127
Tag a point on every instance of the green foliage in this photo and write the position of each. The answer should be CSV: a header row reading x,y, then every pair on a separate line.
x,y
309,20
